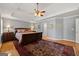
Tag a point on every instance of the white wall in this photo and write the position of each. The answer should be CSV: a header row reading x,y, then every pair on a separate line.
x,y
54,27
14,24
0,29
62,27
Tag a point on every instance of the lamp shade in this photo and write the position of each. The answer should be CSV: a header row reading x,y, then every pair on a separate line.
x,y
8,26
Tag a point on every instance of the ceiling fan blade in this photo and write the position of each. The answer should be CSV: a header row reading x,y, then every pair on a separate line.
x,y
42,11
41,15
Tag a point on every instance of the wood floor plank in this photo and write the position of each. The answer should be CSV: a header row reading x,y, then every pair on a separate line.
x,y
8,47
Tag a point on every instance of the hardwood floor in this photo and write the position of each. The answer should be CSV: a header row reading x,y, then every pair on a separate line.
x,y
8,47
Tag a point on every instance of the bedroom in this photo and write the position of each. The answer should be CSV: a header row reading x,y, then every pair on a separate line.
x,y
58,28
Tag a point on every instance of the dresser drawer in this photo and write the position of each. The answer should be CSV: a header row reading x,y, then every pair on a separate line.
x,y
8,36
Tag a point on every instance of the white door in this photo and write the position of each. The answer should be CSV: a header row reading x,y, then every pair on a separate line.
x,y
45,29
77,30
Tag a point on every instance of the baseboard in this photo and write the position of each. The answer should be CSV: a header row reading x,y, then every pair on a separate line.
x,y
52,38
69,40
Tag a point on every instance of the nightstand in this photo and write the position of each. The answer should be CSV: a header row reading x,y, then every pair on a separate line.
x,y
8,36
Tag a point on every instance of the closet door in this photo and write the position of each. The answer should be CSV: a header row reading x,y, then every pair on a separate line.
x,y
69,28
77,30
44,28
51,30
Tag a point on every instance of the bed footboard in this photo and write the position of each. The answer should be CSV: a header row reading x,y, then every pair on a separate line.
x,y
28,38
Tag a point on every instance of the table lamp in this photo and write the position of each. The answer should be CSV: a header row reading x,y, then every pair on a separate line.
x,y
8,27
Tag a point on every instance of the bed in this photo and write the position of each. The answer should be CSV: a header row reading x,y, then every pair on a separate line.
x,y
32,44
25,36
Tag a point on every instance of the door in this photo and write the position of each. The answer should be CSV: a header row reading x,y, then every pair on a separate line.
x,y
77,30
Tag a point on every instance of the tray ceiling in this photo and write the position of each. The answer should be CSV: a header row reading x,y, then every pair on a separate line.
x,y
25,11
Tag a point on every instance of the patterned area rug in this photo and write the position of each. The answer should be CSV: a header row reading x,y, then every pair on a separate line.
x,y
44,48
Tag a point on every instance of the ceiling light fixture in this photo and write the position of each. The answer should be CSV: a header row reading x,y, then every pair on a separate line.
x,y
39,12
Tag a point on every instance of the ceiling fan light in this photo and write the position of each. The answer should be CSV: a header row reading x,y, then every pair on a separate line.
x,y
39,12
42,13
35,14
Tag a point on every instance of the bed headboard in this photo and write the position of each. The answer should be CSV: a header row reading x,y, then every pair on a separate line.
x,y
26,29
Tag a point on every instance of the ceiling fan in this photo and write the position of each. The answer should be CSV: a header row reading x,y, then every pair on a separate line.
x,y
39,12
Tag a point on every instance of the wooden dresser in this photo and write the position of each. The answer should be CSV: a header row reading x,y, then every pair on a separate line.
x,y
8,36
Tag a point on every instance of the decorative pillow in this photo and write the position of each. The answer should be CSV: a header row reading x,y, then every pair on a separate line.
x,y
20,30
23,30
29,30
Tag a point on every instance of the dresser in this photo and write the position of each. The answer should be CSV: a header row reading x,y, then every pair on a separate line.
x,y
8,36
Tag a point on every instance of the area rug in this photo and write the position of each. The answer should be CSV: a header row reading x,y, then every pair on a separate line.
x,y
44,48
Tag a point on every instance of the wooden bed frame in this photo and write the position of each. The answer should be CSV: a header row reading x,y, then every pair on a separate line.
x,y
28,38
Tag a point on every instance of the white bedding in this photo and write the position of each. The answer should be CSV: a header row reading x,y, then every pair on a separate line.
x,y
19,35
